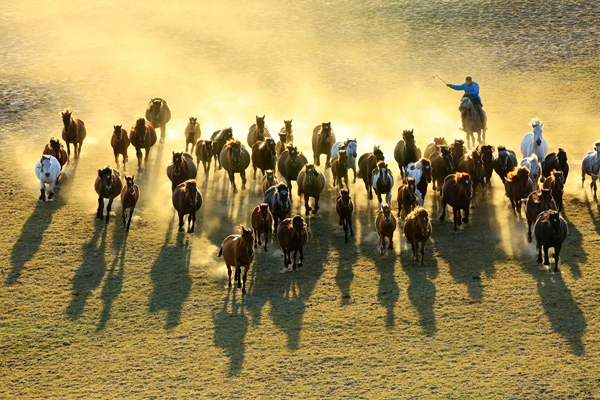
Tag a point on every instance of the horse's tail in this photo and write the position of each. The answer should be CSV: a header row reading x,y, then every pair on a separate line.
x,y
220,253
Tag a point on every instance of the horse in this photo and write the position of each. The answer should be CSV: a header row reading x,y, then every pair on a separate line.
x,y
457,192
219,138
290,163
350,146
421,171
434,146
187,199
287,130
344,207
323,139
504,162
235,159
407,197
282,143
533,165
366,163
181,168
534,142
192,134
406,151
551,230
73,132
158,114
311,183
557,161
258,131
472,163
382,182
108,185
517,187
458,150
417,229
47,170
55,148
292,236
204,153
280,204
339,168
120,143
264,156
130,194
237,252
142,136
555,182
472,121
487,156
269,179
590,165
262,220
441,166
386,226
537,201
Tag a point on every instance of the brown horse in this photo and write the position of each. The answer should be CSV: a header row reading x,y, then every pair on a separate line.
x,y
262,221
458,150
282,143
311,183
235,159
130,194
192,134
457,192
551,230
288,133
269,179
441,166
344,208
339,169
204,153
158,114
55,148
366,163
407,197
292,236
434,146
386,226
237,252
537,201
73,132
264,156
417,229
323,139
181,168
290,163
472,163
142,136
258,131
557,161
219,138
406,151
383,182
187,199
518,185
120,143
487,156
108,185
556,183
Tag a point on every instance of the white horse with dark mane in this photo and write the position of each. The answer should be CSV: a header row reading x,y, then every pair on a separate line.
x,y
47,169
350,146
591,166
533,165
534,142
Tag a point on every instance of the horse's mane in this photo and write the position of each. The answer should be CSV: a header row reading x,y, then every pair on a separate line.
x,y
408,134
231,143
417,213
439,140
515,172
280,187
501,148
597,146
68,110
188,184
106,170
535,122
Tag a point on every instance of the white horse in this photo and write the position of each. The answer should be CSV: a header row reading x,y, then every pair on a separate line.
x,y
534,143
47,169
533,165
350,146
382,182
591,166
415,170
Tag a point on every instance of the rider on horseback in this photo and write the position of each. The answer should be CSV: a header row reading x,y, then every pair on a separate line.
x,y
472,92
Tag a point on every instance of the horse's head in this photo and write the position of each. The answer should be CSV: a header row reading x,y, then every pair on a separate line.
x,y
559,180
465,104
140,131
345,196
555,225
177,161
288,126
130,184
234,147
422,221
208,147
282,195
523,177
546,198
247,239
270,143
464,180
293,152
503,157
534,167
408,136
350,147
66,117
562,158
227,133
478,166
326,131
426,168
45,164
155,108
260,125
447,157
191,191
412,187
283,137
298,227
458,148
537,125
438,141
487,153
379,156
107,177
311,173
117,132
343,158
192,124
270,175
264,213
387,213
55,146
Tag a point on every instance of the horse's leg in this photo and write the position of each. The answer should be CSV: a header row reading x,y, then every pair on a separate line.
x,y
443,216
69,153
317,158
229,273
266,239
354,170
306,206
138,153
328,160
124,216
414,245
546,259
243,175
594,187
391,244
108,207
116,157
100,207
180,213
42,191
125,160
457,218
232,180
345,225
423,251
246,268
146,154
162,133
238,275
192,219
466,218
52,186
301,256
317,197
381,243
529,238
474,201
254,172
556,254
399,207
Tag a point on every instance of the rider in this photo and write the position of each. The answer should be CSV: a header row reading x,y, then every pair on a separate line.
x,y
472,92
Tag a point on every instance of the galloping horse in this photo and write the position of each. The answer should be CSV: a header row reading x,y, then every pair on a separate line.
x,y
366,163
555,182
487,156
504,162
237,252
282,143
350,146
158,114
386,226
406,151
383,182
120,143
73,132
417,229
108,185
235,159
533,165
278,199
181,168
192,133
323,139
130,194
290,163
457,193
458,150
311,183
55,148
551,230
517,187
262,220
269,179
264,156
557,161
472,163
204,153
472,121
339,168
434,146
591,166
441,165
187,199
47,170
421,171
537,201
219,138
344,208
258,131
292,235
287,130
142,136
407,197
534,142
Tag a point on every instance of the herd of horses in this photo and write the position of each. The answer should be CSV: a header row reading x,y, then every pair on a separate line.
x,y
459,176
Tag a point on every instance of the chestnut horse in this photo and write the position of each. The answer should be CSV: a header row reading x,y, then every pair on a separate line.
x,y
235,159
264,156
417,229
158,114
537,201
108,185
278,199
406,151
120,143
556,183
434,146
181,168
457,193
187,199
323,139
73,132
292,236
557,161
366,163
407,197
130,194
386,226
55,148
441,166
269,179
311,183
551,230
518,185
142,136
344,208
237,252
472,163
383,182
219,138
290,163
204,153
192,134
258,131
286,136
262,221
339,169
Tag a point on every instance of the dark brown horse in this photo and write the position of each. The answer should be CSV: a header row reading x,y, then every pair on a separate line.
x,y
406,151
311,183
269,179
472,163
204,153
235,159
280,204
142,136
73,132
383,182
264,156
551,230
108,185
158,114
292,236
487,156
434,146
262,222
458,150
181,168
120,143
407,197
130,194
258,131
344,208
556,183
386,226
366,163
187,200
504,162
441,166
457,193
557,161
282,143
417,229
290,163
219,138
237,252
517,187
339,169
537,201
55,148
192,134
323,139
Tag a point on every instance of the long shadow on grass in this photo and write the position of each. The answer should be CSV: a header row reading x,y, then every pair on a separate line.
x,y
231,329
113,283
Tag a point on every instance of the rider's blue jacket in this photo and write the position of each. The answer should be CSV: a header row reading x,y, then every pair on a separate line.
x,y
471,91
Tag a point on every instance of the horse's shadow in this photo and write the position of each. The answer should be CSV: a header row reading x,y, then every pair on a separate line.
x,y
113,284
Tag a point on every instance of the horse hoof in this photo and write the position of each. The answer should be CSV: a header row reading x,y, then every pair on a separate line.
x,y
99,216
235,190
244,186
529,239
180,230
106,221
239,285
266,250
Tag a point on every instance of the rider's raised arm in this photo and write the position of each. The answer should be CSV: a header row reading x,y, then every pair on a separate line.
x,y
461,87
